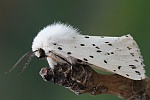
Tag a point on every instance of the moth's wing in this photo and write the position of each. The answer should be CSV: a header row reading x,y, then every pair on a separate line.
x,y
119,55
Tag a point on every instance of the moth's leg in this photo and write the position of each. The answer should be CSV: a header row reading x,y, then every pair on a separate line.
x,y
70,59
69,70
79,74
47,74
52,62
82,73
71,62
43,72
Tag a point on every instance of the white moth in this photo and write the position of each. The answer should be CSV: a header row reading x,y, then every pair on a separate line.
x,y
61,43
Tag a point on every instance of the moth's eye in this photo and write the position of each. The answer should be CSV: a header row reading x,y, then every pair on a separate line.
x,y
42,53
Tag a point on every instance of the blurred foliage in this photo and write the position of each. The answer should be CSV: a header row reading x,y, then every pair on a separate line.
x,y
20,21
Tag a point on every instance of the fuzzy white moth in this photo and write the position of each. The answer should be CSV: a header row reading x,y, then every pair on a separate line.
x,y
61,43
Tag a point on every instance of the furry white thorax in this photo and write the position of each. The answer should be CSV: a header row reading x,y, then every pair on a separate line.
x,y
51,34
54,31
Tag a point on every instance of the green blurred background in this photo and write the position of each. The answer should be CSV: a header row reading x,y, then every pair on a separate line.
x,y
21,20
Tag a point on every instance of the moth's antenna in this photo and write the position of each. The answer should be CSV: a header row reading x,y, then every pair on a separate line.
x,y
27,62
28,55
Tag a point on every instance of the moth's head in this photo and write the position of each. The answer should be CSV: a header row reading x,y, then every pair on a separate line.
x,y
37,46
40,53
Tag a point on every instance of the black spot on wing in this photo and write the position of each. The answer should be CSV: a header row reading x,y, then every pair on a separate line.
x,y
59,48
97,47
126,36
127,74
79,60
87,37
110,44
105,61
132,54
91,56
119,67
93,44
98,51
82,44
133,66
108,53
129,48
106,42
112,52
68,53
54,43
138,72
85,59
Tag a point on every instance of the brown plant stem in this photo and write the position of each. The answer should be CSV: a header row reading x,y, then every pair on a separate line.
x,y
83,79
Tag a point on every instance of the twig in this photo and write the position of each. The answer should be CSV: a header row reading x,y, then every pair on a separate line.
x,y
83,79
